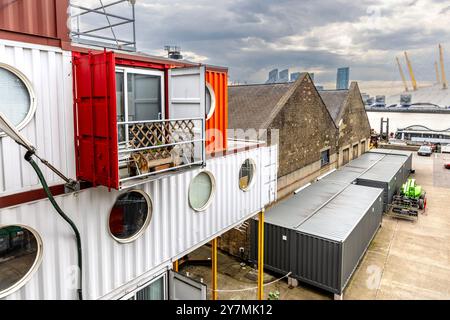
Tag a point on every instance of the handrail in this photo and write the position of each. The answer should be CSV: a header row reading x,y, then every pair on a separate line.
x,y
156,121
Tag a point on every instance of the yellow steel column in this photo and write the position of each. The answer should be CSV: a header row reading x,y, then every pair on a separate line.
x,y
214,269
441,58
411,72
261,255
402,75
175,266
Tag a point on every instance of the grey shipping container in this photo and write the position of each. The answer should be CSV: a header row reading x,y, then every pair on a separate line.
x,y
322,247
389,174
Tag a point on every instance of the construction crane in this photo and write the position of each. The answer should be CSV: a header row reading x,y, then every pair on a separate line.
x,y
402,74
436,68
444,78
411,72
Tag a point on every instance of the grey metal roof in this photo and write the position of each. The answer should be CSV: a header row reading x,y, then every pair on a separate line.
x,y
293,211
385,169
339,217
392,151
328,208
365,161
344,175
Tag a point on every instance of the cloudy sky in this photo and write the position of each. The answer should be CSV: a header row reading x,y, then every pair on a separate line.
x,y
252,37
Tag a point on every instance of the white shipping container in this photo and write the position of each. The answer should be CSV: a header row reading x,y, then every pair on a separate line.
x,y
111,269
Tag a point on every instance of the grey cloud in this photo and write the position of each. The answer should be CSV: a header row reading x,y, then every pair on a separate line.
x,y
219,30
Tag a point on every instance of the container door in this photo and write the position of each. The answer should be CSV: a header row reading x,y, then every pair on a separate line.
x,y
96,140
187,94
184,288
269,163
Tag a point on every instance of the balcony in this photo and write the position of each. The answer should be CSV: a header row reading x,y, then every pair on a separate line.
x,y
148,149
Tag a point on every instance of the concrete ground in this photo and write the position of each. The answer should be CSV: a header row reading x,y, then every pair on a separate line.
x,y
406,260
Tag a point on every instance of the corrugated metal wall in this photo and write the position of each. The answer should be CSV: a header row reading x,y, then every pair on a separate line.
x,y
175,230
357,242
29,16
318,261
217,125
51,128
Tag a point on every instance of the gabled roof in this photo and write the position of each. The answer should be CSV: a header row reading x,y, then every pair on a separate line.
x,y
335,101
255,106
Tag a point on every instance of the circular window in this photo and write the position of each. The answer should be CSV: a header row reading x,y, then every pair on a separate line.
x,y
210,101
246,174
20,256
18,100
130,216
201,191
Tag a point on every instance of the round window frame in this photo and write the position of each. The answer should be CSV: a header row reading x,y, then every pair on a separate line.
x,y
213,101
211,195
252,182
135,236
34,267
32,95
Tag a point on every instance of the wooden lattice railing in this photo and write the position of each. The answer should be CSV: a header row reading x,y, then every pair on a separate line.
x,y
159,145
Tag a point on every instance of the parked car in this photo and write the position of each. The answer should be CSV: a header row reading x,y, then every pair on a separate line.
x,y
425,151
447,165
445,149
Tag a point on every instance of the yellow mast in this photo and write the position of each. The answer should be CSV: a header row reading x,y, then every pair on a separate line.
x,y
411,72
438,78
444,78
402,74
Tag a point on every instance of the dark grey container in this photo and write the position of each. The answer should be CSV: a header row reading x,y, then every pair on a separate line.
x,y
321,247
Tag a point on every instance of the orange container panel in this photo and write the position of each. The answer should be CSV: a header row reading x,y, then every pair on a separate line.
x,y
217,124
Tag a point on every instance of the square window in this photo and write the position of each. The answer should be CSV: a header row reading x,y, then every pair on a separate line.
x,y
325,157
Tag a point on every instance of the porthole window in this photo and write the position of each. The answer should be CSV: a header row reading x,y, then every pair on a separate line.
x,y
130,216
20,256
246,174
201,191
210,101
18,100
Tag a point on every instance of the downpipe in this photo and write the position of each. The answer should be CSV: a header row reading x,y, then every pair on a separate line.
x,y
28,157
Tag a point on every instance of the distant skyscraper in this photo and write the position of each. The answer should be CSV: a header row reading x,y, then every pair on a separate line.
x,y
273,76
343,78
283,76
295,76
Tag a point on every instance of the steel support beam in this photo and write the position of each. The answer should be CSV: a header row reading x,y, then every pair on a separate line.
x,y
215,295
261,255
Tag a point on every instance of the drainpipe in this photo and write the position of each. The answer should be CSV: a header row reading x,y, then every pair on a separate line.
x,y
28,157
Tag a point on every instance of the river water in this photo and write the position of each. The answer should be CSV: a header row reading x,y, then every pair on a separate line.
x,y
400,120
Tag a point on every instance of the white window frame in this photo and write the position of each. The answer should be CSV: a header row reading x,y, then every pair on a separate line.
x,y
213,100
144,226
163,275
34,267
125,71
211,196
252,182
31,93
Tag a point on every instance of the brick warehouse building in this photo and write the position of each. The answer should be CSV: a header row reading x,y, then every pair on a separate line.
x,y
318,131
348,112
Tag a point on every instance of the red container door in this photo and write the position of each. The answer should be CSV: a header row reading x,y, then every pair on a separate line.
x,y
95,119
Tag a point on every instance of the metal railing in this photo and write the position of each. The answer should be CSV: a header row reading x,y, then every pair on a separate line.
x,y
148,148
86,33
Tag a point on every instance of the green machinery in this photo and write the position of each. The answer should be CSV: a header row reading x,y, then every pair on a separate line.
x,y
409,200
